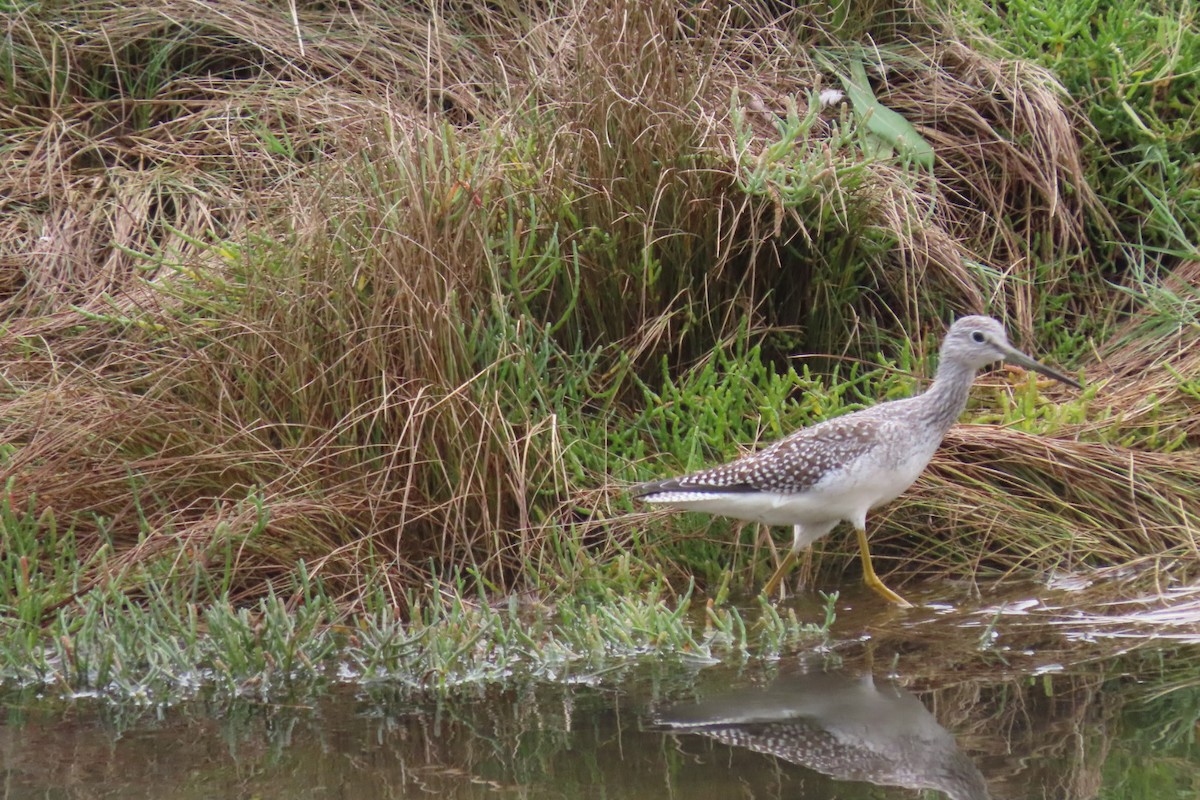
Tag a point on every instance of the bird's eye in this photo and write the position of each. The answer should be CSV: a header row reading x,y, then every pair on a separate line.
x,y
977,337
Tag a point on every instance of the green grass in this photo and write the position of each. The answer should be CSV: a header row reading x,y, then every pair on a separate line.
x,y
163,645
390,302
1134,69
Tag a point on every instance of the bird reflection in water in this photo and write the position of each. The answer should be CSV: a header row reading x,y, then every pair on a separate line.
x,y
848,728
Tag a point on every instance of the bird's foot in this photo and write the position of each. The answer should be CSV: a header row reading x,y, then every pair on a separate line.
x,y
886,593
788,561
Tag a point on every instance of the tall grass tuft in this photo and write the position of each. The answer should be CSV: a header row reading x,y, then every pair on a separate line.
x,y
404,295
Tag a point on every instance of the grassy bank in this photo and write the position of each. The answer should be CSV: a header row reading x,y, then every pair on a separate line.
x,y
392,300
173,643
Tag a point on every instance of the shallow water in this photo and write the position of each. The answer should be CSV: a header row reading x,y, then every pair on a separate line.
x,y
1034,692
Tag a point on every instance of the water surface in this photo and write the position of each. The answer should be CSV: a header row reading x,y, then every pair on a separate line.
x,y
1033,692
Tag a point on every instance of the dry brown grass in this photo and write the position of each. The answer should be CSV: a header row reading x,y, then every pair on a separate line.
x,y
1019,502
1151,363
304,262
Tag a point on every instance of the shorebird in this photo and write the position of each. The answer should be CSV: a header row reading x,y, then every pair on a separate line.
x,y
843,467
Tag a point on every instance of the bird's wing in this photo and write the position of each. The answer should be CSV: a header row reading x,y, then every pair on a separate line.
x,y
792,464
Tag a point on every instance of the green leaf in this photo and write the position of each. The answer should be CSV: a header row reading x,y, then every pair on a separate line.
x,y
882,122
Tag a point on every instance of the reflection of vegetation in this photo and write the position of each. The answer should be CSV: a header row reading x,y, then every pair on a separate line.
x,y
1081,734
1155,752
1110,715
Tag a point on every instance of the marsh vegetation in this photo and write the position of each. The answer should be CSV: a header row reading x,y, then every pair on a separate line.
x,y
333,334
336,326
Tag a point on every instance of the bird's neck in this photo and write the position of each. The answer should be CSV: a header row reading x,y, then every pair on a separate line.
x,y
944,401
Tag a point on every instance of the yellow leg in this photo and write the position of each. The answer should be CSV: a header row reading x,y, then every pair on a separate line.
x,y
784,566
871,579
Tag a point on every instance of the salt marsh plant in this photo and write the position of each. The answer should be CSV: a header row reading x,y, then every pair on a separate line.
x,y
407,296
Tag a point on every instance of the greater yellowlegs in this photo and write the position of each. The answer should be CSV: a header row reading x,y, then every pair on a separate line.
x,y
841,468
847,727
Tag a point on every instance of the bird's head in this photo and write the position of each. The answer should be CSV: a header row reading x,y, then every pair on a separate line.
x,y
976,342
